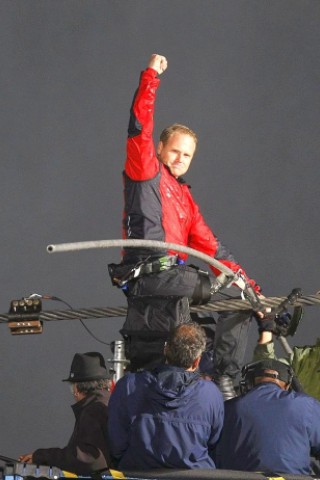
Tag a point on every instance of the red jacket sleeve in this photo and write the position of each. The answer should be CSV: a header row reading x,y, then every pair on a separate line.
x,y
203,239
142,162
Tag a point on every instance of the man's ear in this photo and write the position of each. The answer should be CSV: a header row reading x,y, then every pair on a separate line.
x,y
195,364
159,147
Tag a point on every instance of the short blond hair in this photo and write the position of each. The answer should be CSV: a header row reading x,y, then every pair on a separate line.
x,y
177,128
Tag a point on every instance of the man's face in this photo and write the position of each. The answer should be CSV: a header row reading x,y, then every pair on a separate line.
x,y
177,153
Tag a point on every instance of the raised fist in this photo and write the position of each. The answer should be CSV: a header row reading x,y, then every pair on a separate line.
x,y
158,63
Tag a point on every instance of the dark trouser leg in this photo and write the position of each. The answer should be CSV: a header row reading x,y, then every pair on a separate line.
x,y
229,349
157,303
148,323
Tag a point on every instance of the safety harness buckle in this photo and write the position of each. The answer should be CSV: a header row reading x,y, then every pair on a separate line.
x,y
122,274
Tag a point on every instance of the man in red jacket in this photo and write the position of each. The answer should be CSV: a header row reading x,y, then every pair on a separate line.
x,y
159,206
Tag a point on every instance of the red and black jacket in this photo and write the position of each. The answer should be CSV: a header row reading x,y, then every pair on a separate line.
x,y
157,205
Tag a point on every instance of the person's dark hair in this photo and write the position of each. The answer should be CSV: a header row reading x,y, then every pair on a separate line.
x,y
185,344
177,128
93,385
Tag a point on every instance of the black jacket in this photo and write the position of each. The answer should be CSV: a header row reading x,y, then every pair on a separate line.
x,y
87,449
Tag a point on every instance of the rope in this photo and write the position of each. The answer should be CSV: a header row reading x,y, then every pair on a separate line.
x,y
215,306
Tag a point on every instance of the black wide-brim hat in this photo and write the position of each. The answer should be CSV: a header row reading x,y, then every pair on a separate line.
x,y
87,366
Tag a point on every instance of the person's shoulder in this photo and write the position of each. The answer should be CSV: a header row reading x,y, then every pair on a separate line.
x,y
209,387
127,379
305,398
131,379
207,383
305,406
96,409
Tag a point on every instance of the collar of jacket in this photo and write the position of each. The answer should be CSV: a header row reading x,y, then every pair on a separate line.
x,y
179,179
99,396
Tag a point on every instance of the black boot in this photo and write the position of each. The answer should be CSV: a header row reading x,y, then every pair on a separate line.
x,y
225,384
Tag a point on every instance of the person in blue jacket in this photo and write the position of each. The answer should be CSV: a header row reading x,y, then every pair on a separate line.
x,y
169,417
270,428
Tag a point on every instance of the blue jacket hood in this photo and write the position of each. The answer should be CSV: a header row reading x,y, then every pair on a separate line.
x,y
170,386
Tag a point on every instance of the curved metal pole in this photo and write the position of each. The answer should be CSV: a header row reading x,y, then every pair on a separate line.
x,y
136,243
285,345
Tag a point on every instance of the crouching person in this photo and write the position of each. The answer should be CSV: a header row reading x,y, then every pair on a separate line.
x,y
169,417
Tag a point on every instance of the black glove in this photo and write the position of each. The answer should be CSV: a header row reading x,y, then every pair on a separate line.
x,y
266,324
277,324
282,324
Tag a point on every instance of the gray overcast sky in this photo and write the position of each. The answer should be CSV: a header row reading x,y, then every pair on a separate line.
x,y
244,74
